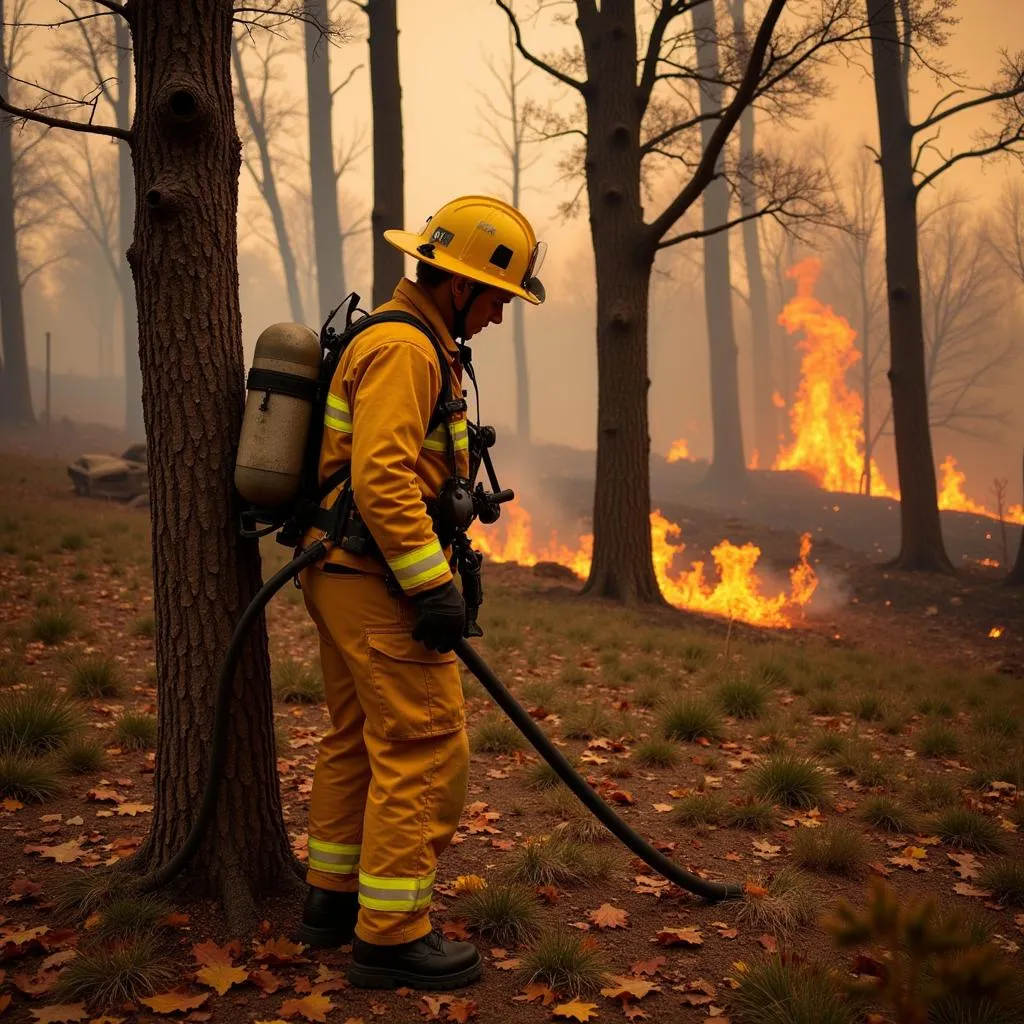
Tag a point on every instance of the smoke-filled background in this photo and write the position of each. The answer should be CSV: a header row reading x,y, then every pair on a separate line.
x,y
454,56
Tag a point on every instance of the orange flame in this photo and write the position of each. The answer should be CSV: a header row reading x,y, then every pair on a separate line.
x,y
996,632
826,417
953,498
680,450
736,595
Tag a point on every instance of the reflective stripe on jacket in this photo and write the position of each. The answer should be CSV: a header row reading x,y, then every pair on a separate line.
x,y
381,399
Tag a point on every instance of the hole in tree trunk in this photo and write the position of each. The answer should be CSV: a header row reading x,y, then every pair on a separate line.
x,y
153,197
183,104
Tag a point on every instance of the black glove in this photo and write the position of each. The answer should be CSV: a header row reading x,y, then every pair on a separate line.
x,y
440,617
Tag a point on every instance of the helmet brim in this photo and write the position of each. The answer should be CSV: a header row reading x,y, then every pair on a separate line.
x,y
412,244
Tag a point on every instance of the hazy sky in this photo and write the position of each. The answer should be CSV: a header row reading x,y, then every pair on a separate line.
x,y
443,48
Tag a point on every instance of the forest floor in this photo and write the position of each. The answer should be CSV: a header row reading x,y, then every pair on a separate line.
x,y
880,739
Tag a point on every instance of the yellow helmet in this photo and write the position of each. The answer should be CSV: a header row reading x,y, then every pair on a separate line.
x,y
483,239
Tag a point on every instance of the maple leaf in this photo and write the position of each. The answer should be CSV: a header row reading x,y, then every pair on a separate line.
x,y
64,853
23,890
648,968
536,992
174,1002
131,809
312,1007
512,964
607,916
104,796
266,981
963,889
431,1006
455,930
967,865
469,883
633,1012
209,954
909,862
662,808
221,977
768,943
766,850
462,1010
10,804
280,951
548,893
628,988
621,796
63,1013
575,1010
683,936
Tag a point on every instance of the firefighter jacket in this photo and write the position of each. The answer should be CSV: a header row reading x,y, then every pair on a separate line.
x,y
381,399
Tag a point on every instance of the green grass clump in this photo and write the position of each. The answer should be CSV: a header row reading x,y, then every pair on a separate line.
x,y
52,626
828,744
548,861
887,814
495,734
656,753
37,720
1005,880
109,976
97,676
78,896
81,756
125,917
27,778
12,672
824,703
835,847
773,992
577,824
542,776
507,914
937,741
742,698
135,730
295,683
689,720
969,830
587,722
771,670
572,676
789,904
72,541
789,779
934,794
701,810
566,963
145,626
755,815
869,708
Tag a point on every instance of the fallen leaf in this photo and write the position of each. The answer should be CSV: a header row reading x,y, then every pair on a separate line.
x,y
607,916
132,809
10,804
685,936
221,977
967,865
548,893
174,1002
61,1013
209,954
576,1010
751,889
266,981
536,992
662,808
455,930
469,883
963,889
312,1007
512,964
280,951
620,796
628,988
104,796
461,1010
23,890
911,863
768,943
647,968
766,850
64,853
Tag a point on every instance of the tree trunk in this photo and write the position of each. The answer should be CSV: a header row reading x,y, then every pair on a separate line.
x,y
186,155
728,470
921,546
1016,577
15,394
766,439
388,176
865,348
133,424
328,243
268,187
622,567
518,321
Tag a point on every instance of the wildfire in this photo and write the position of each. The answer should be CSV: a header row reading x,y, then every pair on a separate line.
x,y
826,417
953,498
736,595
995,632
680,450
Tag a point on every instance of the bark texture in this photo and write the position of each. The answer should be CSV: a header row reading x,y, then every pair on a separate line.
x,y
267,183
766,439
15,394
622,566
388,174
184,260
728,469
1016,576
327,238
921,544
133,422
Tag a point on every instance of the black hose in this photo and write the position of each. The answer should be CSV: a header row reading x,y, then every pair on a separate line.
x,y
222,715
714,891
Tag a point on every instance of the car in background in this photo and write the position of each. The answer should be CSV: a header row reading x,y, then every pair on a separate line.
x,y
121,477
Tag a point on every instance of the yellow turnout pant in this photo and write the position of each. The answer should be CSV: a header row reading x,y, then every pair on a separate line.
x,y
390,779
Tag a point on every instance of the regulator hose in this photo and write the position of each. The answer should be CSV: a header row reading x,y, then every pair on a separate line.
x,y
714,891
222,716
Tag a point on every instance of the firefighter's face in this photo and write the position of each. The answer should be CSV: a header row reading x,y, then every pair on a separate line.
x,y
487,308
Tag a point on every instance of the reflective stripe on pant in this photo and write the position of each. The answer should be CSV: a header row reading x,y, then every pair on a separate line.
x,y
391,774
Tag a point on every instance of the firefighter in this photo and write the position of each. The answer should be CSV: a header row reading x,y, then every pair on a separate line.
x,y
391,774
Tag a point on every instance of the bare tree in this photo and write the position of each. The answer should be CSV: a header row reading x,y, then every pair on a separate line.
x,y
638,114
185,155
895,38
265,119
506,129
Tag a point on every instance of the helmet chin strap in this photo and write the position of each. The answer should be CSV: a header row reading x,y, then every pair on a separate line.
x,y
459,315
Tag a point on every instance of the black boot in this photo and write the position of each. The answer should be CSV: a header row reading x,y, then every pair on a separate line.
x,y
429,963
328,918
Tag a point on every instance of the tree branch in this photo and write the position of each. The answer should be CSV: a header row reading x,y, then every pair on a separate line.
x,y
532,58
730,117
988,97
1000,145
59,122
